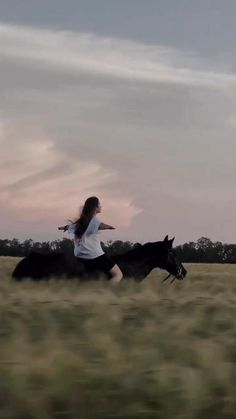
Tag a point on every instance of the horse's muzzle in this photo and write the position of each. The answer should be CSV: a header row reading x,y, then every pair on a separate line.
x,y
181,273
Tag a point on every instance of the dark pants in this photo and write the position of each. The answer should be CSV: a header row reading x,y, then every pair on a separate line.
x,y
102,263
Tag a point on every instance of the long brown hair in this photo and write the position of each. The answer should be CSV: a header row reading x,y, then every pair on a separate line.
x,y
87,214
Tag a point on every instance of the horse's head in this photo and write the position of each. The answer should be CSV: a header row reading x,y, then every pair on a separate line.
x,y
165,257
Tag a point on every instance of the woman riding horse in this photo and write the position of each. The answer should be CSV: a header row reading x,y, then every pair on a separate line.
x,y
87,245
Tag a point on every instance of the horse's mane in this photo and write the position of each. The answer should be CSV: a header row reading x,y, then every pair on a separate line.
x,y
139,251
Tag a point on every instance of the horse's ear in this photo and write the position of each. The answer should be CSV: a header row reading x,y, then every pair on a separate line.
x,y
168,242
171,241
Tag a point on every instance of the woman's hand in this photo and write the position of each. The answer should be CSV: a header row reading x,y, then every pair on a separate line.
x,y
63,228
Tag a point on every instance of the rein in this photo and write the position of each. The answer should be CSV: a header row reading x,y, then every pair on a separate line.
x,y
167,277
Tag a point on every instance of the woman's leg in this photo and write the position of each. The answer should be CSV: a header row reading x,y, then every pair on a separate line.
x,y
116,274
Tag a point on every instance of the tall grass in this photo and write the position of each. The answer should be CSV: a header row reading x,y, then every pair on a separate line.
x,y
72,350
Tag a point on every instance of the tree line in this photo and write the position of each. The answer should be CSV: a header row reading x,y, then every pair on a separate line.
x,y
202,251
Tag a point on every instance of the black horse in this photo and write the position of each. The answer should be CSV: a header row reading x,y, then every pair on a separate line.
x,y
136,263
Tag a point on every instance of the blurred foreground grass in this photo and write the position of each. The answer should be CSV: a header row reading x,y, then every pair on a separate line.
x,y
93,351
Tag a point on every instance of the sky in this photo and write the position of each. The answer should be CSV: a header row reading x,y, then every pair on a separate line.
x,y
133,101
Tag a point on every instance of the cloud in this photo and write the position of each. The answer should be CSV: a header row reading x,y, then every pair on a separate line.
x,y
148,129
74,52
40,184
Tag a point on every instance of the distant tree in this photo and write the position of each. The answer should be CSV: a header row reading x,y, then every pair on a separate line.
x,y
203,243
187,252
5,245
229,255
27,246
65,246
117,247
203,250
206,251
16,247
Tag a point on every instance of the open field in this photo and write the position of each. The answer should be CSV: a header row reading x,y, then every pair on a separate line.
x,y
130,351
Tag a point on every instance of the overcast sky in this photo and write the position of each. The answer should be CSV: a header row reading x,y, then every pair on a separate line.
x,y
130,100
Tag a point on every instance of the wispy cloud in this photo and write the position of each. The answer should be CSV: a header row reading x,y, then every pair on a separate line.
x,y
75,52
144,127
39,182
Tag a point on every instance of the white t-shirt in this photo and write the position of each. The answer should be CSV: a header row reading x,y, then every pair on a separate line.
x,y
88,246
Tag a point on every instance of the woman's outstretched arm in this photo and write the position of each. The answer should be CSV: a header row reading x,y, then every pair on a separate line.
x,y
105,227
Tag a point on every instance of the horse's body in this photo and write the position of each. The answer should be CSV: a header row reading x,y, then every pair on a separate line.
x,y
136,263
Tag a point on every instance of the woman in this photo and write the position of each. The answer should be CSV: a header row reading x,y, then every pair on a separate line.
x,y
87,245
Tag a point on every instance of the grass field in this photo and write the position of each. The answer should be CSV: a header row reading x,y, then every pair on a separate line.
x,y
97,350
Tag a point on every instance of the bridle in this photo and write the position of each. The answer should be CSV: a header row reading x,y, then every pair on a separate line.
x,y
171,275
